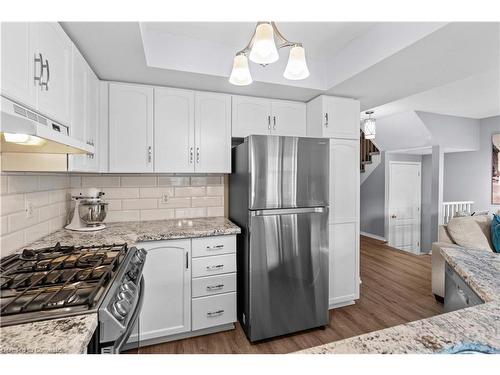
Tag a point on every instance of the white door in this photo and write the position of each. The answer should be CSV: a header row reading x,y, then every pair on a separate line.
x,y
343,263
288,118
18,65
130,128
404,205
56,48
166,309
212,133
250,116
92,123
174,131
341,117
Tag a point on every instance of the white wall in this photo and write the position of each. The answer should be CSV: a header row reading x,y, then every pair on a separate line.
x,y
467,175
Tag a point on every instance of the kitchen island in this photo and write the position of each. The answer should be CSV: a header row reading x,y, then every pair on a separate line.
x,y
478,325
72,334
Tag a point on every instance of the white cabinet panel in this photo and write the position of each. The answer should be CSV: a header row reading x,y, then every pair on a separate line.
x,y
216,245
167,297
343,263
214,310
250,116
17,67
130,128
206,286
174,130
56,48
79,97
212,133
288,118
344,180
92,123
208,266
342,118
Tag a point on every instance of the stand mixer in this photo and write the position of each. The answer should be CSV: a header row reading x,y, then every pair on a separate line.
x,y
89,213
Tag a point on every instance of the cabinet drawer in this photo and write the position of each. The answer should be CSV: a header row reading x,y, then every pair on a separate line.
x,y
206,286
213,245
213,311
216,265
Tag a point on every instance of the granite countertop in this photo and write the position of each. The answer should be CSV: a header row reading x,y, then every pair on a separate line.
x,y
479,324
72,334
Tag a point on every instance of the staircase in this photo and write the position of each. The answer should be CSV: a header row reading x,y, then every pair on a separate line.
x,y
369,156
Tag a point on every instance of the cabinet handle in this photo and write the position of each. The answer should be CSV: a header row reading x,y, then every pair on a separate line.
x,y
211,314
46,83
215,287
269,122
216,267
326,119
216,247
187,260
191,155
274,122
38,59
150,154
197,155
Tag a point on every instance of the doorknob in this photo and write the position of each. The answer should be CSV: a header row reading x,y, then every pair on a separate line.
x,y
393,216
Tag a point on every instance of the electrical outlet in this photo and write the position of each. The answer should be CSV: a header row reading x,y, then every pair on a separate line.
x,y
164,198
30,208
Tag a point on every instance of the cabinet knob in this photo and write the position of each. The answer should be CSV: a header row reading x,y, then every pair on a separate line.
x,y
150,154
274,122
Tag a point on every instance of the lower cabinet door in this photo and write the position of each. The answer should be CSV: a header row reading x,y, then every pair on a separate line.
x,y
214,311
166,309
343,263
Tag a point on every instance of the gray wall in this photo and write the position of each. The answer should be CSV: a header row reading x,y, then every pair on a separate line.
x,y
372,203
426,241
467,175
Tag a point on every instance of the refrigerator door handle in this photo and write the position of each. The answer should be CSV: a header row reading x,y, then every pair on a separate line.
x,y
291,211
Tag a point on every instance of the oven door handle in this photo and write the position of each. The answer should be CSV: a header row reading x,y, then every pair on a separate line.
x,y
122,340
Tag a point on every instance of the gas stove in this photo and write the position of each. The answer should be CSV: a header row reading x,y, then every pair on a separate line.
x,y
61,281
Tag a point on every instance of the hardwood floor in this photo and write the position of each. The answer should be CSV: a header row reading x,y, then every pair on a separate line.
x,y
395,289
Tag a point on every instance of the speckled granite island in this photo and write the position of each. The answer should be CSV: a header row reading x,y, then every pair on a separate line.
x,y
479,324
72,334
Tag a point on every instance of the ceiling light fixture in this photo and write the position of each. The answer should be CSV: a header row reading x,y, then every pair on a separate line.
x,y
263,49
369,126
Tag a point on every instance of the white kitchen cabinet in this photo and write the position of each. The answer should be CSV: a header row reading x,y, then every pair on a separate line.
x,y
288,118
166,309
333,117
36,67
130,128
250,116
212,133
344,222
18,63
56,49
92,123
266,116
173,130
79,96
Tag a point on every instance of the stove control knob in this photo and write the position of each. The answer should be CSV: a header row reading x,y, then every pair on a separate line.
x,y
128,286
132,273
126,295
121,308
137,259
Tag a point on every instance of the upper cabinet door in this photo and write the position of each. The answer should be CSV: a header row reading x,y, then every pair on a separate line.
x,y
56,49
251,116
130,128
92,123
18,63
174,149
341,116
79,97
288,118
212,133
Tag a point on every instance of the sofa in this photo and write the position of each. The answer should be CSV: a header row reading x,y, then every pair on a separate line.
x,y
461,232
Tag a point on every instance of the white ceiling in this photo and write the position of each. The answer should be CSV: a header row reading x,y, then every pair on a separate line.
x,y
419,65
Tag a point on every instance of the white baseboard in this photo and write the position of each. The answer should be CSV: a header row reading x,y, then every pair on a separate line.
x,y
340,304
374,236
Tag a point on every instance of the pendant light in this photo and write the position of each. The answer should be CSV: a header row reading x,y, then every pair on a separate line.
x,y
369,126
263,49
240,75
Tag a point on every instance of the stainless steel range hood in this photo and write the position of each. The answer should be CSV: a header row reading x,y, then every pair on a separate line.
x,y
25,131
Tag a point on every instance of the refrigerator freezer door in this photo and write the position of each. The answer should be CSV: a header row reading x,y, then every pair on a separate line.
x,y
288,172
288,272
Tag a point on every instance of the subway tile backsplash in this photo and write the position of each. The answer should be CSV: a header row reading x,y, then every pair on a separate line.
x,y
130,198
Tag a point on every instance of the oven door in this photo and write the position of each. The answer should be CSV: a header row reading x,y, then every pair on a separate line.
x,y
132,327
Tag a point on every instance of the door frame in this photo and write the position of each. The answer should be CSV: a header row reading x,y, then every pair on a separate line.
x,y
388,234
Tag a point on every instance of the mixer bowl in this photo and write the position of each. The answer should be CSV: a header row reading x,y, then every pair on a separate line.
x,y
92,212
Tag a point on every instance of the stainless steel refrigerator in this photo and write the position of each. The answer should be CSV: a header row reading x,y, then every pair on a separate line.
x,y
278,195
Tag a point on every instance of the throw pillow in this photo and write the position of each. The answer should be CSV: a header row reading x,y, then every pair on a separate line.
x,y
467,232
495,233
